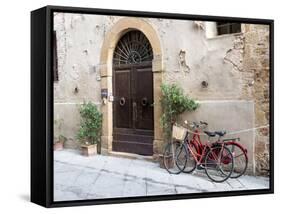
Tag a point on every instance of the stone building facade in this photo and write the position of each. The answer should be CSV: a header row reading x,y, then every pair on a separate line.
x,y
227,74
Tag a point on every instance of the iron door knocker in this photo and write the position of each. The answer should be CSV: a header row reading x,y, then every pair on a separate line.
x,y
144,101
122,101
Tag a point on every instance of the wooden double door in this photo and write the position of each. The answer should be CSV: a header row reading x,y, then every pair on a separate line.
x,y
133,120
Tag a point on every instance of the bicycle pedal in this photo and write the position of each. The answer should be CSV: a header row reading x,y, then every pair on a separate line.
x,y
200,167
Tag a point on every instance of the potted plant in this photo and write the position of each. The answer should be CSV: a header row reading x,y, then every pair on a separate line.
x,y
174,102
89,133
60,139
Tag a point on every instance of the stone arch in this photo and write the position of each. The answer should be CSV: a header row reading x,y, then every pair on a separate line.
x,y
112,37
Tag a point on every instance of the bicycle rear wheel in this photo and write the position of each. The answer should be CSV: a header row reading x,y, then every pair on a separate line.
x,y
240,159
174,157
219,163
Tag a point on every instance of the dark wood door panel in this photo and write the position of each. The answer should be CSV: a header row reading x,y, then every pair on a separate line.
x,y
144,97
133,138
133,147
133,121
122,118
134,131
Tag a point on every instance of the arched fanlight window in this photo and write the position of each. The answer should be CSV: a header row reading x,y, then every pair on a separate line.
x,y
132,48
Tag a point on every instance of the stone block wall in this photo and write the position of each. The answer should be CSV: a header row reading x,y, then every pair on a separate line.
x,y
256,61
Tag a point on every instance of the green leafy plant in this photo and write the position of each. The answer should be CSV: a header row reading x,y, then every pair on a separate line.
x,y
58,124
62,138
90,125
174,102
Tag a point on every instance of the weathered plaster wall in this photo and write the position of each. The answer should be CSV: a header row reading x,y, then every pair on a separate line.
x,y
79,41
68,115
216,60
205,57
227,63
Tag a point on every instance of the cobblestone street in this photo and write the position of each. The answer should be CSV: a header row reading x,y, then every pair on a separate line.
x,y
77,177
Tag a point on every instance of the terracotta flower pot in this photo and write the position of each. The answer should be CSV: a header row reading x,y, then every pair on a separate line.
x,y
58,145
88,150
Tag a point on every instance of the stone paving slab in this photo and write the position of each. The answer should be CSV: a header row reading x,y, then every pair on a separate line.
x,y
135,187
77,177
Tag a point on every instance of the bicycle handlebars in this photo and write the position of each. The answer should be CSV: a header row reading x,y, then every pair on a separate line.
x,y
201,124
204,123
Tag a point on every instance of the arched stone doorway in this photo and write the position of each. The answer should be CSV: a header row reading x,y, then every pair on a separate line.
x,y
119,29
133,127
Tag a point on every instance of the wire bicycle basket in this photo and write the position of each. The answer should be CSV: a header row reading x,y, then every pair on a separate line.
x,y
178,132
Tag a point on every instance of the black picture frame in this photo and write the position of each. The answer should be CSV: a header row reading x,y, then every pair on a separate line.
x,y
42,105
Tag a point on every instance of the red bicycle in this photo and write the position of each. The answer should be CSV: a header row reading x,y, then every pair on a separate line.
x,y
238,152
186,155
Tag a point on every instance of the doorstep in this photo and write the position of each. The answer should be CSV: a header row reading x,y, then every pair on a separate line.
x,y
131,156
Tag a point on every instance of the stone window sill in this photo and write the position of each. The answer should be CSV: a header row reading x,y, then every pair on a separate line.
x,y
225,36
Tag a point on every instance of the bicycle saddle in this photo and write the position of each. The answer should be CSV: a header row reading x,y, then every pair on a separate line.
x,y
220,133
210,134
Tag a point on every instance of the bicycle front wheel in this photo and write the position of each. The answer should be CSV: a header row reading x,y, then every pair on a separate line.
x,y
174,157
219,163
190,159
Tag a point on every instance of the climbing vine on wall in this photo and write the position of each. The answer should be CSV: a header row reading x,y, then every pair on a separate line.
x,y
174,102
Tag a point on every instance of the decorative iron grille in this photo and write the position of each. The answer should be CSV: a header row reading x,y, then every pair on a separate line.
x,y
132,48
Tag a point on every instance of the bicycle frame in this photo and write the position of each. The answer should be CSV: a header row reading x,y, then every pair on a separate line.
x,y
200,148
